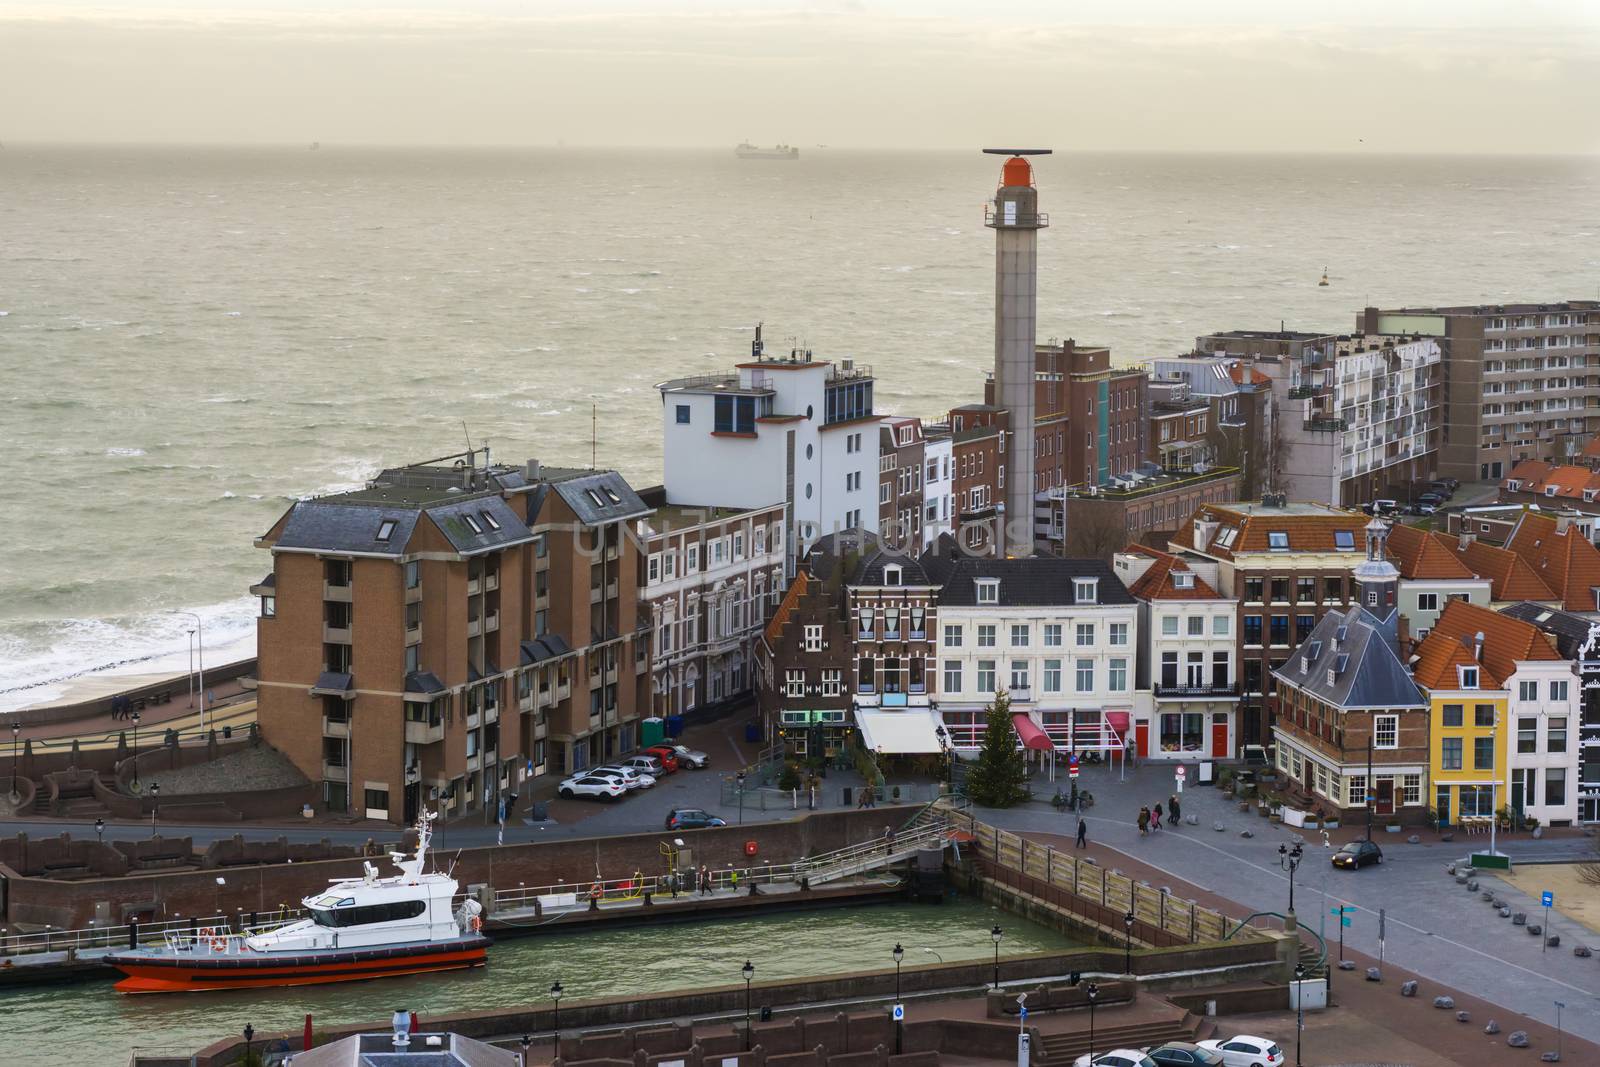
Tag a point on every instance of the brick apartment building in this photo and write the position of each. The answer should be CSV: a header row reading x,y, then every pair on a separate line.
x,y
804,659
1241,411
1521,381
977,434
901,454
451,629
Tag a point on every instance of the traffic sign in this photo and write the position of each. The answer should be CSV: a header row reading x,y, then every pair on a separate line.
x,y
1023,1011
899,1012
1181,772
1072,771
1547,898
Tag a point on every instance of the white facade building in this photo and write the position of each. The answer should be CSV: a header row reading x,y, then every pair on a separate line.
x,y
1542,755
938,486
776,430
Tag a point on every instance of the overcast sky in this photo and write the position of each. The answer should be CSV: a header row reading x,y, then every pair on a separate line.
x,y
1240,75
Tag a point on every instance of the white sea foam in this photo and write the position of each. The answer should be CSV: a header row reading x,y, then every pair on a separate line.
x,y
229,494
124,451
630,292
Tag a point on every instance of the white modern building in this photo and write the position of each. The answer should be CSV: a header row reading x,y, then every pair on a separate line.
x,y
1061,636
712,576
1188,680
1546,710
785,430
938,488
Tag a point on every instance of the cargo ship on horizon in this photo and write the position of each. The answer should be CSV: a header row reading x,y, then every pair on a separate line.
x,y
749,151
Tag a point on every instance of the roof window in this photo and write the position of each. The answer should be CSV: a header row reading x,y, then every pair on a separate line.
x,y
1341,663
1183,579
1313,650
988,590
1085,590
891,574
386,529
489,520
1226,538
611,495
595,497
472,522
1278,540
1344,540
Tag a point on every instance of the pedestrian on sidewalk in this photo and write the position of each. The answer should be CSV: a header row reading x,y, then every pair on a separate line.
x,y
888,840
1144,821
1173,817
1155,823
733,879
705,880
1083,833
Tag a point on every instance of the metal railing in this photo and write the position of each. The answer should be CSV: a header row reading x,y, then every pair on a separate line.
x,y
94,936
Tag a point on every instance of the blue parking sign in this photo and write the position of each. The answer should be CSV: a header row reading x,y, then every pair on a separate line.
x,y
1547,898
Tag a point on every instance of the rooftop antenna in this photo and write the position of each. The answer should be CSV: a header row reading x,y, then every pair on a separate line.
x,y
594,436
468,435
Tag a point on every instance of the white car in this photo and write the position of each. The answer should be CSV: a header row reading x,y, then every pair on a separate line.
x,y
592,785
1247,1051
629,777
1118,1057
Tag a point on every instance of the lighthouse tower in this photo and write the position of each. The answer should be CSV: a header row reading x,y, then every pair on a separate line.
x,y
1016,222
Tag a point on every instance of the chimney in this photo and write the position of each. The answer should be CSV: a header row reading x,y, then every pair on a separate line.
x,y
1477,646
1466,539
534,470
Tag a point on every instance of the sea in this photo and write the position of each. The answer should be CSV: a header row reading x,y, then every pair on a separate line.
x,y
192,338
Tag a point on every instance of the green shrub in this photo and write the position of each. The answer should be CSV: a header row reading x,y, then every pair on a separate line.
x,y
789,777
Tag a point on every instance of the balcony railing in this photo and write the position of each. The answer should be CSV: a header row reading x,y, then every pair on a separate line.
x,y
1196,691
340,593
424,733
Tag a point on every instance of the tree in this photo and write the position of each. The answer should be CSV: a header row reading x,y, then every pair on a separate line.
x,y
996,778
1095,528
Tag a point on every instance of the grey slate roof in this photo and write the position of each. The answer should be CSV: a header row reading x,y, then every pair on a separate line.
x,y
827,553
423,682
452,518
1570,630
870,570
1367,672
1042,581
324,526
616,498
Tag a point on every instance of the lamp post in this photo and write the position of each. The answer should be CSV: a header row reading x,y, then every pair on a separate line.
x,y
1559,1005
995,933
1289,860
1127,943
249,1036
155,805
100,831
1092,992
1299,1010
16,732
200,658
136,752
191,668
749,972
555,994
899,1024
526,1041
739,778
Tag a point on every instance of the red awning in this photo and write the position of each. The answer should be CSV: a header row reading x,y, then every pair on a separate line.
x,y
1032,736
1118,721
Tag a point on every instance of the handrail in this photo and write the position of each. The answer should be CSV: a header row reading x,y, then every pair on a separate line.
x,y
113,937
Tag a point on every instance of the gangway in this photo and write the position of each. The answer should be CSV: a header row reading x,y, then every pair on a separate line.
x,y
873,855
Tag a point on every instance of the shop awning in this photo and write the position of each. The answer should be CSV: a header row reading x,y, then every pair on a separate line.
x,y
900,733
1032,736
1118,721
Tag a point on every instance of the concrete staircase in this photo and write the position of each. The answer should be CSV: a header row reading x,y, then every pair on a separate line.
x,y
1060,1050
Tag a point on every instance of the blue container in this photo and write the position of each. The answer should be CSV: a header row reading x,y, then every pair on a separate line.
x,y
752,731
674,725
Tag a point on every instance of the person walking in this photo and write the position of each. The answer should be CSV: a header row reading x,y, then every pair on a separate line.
x,y
705,880
1173,816
1144,821
888,840
1083,833
1155,823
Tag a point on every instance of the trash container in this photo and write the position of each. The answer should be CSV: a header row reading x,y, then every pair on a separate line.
x,y
847,796
651,731
674,725
752,731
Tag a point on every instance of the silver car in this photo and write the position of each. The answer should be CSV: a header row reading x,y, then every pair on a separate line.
x,y
626,775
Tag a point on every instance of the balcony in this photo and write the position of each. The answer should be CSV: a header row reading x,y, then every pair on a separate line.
x,y
335,772
335,727
594,594
424,733
491,622
341,593
1022,692
414,594
335,635
1197,692
474,586
491,582
474,627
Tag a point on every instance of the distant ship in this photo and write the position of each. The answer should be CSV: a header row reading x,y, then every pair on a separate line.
x,y
750,151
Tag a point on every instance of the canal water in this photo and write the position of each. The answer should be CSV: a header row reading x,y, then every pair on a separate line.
x,y
82,1024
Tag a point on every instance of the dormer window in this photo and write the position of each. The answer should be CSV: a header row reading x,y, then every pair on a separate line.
x,y
1278,540
386,529
891,574
1513,484
1085,590
988,590
1183,580
1469,677
1550,490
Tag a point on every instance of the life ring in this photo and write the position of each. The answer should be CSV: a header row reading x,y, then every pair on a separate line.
x,y
477,923
218,945
205,932
749,848
597,891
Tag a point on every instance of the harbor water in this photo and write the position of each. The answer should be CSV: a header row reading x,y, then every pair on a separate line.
x,y
73,1025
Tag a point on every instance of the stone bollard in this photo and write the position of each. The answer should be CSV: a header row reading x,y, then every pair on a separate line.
x,y
1461,879
1373,975
1538,832
1519,919
1247,833
1347,965
1499,902
1444,1002
1535,929
1463,1017
1450,869
1413,840
1517,1039
1218,827
1472,885
1447,836
1492,1028
1409,988
1505,913
1192,820
1553,941
1550,1057
1581,951
1486,895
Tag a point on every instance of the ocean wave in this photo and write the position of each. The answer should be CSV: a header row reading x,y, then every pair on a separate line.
x,y
229,494
226,400
124,451
630,292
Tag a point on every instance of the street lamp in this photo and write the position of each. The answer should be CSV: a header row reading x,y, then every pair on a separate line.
x,y
200,656
1092,992
899,1024
1559,1005
1289,860
249,1036
555,994
16,732
749,972
155,805
526,1041
995,933
740,779
1299,1010
136,752
1127,943
100,831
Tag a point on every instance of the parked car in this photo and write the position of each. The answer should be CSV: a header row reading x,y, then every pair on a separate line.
x,y
691,756
1423,507
1442,488
1358,854
627,775
692,819
1184,1054
1120,1057
599,786
663,755
646,765
1436,499
1383,506
1246,1051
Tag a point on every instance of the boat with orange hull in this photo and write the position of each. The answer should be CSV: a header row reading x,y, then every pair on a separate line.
x,y
359,928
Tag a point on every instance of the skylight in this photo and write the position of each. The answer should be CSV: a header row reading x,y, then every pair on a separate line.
x,y
472,522
1226,536
489,520
386,529
1278,540
1344,540
611,494
1341,663
594,495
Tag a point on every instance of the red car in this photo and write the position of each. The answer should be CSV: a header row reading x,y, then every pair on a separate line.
x,y
665,755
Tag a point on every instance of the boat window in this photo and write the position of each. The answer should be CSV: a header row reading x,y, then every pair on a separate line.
x,y
371,913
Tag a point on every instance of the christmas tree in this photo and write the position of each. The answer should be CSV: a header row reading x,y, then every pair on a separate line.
x,y
995,780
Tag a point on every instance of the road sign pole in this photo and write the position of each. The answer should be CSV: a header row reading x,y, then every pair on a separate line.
x,y
1547,898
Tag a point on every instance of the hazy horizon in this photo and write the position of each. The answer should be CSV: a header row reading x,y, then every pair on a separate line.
x,y
1236,76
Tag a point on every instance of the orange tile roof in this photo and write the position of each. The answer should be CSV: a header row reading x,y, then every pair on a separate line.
x,y
1237,370
1308,531
1510,577
1568,481
1157,583
1506,642
791,600
1419,556
1567,562
1528,472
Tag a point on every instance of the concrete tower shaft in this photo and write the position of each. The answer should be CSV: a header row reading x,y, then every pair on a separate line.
x,y
1016,221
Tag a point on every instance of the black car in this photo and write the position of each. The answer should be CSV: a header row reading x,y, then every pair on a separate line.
x,y
1184,1054
1358,854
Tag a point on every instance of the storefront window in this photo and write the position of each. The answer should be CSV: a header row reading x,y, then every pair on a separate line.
x,y
1182,731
